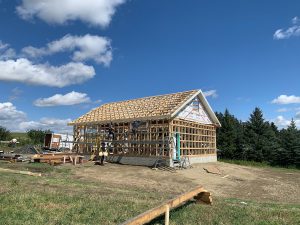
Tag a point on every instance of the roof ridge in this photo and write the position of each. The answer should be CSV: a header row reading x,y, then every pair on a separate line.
x,y
133,99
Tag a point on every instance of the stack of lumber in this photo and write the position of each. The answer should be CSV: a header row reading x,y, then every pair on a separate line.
x,y
10,157
58,158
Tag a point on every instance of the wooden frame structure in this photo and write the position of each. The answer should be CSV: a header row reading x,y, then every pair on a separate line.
x,y
168,127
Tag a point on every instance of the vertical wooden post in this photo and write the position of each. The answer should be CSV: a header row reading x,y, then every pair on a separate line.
x,y
178,146
167,215
215,139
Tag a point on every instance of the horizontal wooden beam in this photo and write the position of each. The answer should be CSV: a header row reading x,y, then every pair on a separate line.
x,y
151,214
164,117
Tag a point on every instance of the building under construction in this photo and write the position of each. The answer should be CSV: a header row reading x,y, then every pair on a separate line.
x,y
168,128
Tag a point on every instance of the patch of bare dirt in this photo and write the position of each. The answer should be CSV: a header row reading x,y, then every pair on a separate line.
x,y
135,176
235,181
231,181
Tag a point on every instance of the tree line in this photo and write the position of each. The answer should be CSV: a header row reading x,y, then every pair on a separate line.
x,y
254,140
33,136
258,140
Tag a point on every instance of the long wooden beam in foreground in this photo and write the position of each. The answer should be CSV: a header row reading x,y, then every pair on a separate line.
x,y
199,193
21,172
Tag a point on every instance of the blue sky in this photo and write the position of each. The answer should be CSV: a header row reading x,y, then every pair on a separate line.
x,y
60,60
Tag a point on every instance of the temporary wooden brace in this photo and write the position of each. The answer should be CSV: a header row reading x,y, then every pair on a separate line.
x,y
199,193
167,215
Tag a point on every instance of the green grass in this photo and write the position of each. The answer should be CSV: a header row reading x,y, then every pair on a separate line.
x,y
19,135
254,164
22,138
245,163
59,197
234,212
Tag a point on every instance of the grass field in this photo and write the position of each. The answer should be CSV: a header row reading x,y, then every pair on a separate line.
x,y
19,135
253,163
61,197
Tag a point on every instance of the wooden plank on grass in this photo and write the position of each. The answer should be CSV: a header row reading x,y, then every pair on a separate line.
x,y
199,192
21,172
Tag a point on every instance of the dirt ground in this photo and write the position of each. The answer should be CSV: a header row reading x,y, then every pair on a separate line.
x,y
234,181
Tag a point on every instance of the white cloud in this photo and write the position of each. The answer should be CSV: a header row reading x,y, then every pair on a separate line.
x,y
33,52
6,52
282,122
23,70
289,32
16,120
97,101
9,111
211,93
72,98
93,12
55,125
297,115
3,45
15,94
283,110
87,47
285,99
285,34
295,20
10,117
288,109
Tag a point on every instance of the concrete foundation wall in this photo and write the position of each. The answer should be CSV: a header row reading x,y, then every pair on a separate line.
x,y
150,161
203,159
131,160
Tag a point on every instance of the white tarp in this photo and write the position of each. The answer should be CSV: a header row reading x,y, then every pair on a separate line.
x,y
65,139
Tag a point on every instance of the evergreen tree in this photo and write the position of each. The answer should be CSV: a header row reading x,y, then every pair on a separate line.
x,y
260,138
271,141
290,142
240,140
228,137
274,128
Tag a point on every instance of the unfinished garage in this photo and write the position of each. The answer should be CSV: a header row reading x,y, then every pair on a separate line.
x,y
172,128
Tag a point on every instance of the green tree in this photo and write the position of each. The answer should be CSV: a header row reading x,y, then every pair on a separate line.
x,y
260,138
290,142
5,134
229,136
37,136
